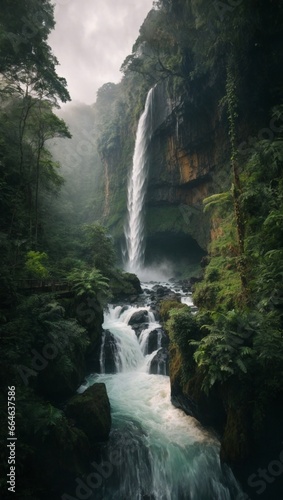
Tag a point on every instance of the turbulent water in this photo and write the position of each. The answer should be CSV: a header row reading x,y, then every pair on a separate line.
x,y
159,452
134,230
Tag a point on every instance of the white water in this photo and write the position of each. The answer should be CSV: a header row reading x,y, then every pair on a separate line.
x,y
134,231
163,453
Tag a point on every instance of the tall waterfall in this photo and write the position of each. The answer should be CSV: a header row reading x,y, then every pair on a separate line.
x,y
134,230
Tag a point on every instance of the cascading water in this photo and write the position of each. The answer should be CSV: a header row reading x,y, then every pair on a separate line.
x,y
134,230
160,453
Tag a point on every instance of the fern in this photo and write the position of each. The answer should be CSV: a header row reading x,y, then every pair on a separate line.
x,y
217,200
91,283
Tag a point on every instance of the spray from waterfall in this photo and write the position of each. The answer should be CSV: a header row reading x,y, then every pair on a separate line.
x,y
137,185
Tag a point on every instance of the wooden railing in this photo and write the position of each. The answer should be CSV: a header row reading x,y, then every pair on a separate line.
x,y
48,285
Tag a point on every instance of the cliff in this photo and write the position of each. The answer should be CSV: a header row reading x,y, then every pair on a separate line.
x,y
189,155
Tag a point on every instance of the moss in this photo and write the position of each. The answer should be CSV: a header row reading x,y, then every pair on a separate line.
x,y
168,305
124,285
162,219
175,365
221,286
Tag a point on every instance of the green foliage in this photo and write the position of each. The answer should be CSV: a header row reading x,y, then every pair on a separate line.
x,y
166,306
217,200
34,265
98,248
39,321
227,349
25,56
41,418
182,329
90,283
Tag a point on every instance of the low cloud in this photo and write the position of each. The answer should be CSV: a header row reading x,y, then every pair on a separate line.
x,y
92,39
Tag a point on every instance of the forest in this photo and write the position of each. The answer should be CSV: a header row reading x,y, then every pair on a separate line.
x,y
213,208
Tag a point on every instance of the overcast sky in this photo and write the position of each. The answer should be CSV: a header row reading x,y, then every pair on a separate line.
x,y
92,39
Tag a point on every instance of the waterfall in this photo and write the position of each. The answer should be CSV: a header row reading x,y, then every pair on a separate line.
x,y
155,451
134,230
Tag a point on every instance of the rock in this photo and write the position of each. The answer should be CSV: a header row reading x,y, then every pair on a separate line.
x,y
90,412
160,363
109,352
133,299
152,344
139,317
124,285
156,314
161,291
184,403
139,328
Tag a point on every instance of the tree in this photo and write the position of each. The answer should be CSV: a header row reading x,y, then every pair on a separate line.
x,y
25,56
99,249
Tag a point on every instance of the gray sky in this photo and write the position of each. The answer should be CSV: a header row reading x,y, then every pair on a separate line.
x,y
92,39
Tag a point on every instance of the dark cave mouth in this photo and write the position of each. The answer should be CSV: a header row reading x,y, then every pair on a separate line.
x,y
180,253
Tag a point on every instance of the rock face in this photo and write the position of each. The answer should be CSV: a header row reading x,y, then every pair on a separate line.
x,y
160,363
185,166
91,413
109,352
153,340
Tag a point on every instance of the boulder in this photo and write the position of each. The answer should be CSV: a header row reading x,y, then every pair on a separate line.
x,y
139,317
124,285
160,291
90,412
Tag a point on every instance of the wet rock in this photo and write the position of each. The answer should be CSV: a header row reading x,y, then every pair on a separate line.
x,y
90,412
139,317
109,352
156,314
184,403
160,363
139,328
153,340
161,291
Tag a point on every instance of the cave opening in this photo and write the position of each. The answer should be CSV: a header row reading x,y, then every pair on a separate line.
x,y
179,252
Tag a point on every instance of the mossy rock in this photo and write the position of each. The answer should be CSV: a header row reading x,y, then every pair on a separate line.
x,y
124,285
168,305
91,413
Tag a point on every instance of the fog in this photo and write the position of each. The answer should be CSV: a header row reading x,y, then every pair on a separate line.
x,y
91,40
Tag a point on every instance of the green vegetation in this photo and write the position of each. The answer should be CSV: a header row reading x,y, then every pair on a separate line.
x,y
219,66
57,264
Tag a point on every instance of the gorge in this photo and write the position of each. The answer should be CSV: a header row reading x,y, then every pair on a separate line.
x,y
160,453
171,387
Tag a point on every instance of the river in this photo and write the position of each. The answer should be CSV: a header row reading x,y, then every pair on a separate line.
x,y
160,452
